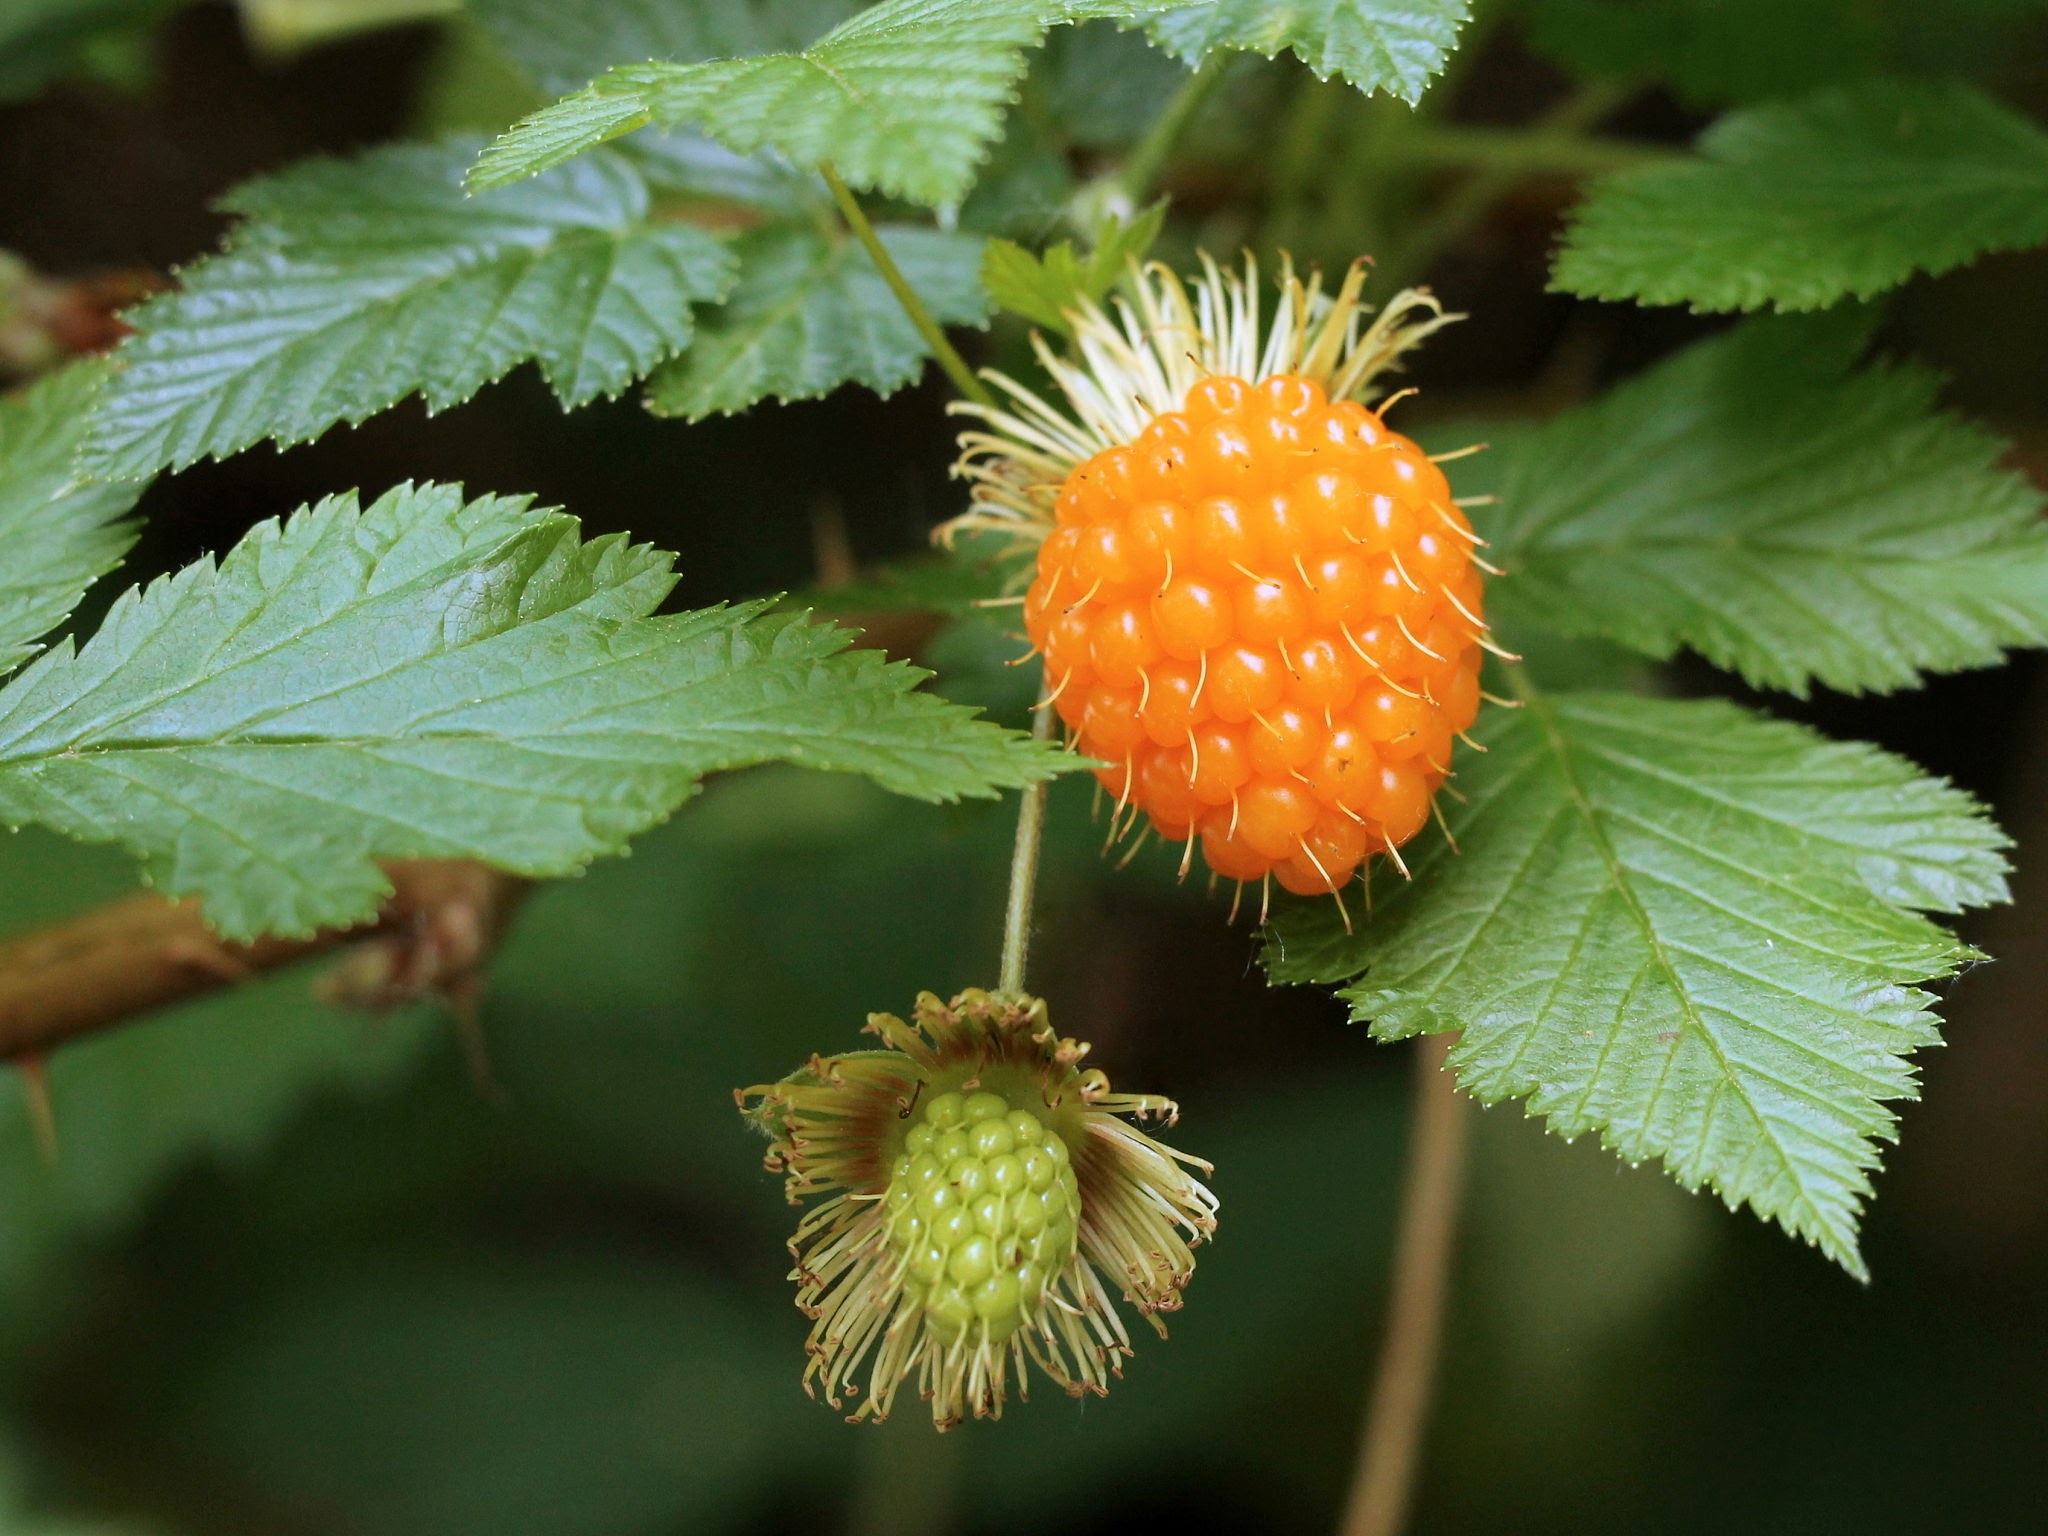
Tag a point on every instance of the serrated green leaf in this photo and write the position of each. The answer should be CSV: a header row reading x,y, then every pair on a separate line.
x,y
1396,46
684,163
1043,288
1796,205
1685,927
1786,518
61,534
1104,86
903,98
1712,52
435,678
810,313
1027,183
563,47
356,283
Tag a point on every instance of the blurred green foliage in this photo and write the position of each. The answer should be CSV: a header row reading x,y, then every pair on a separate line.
x,y
292,1275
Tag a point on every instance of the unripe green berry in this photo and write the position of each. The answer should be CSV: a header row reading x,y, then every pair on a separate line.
x,y
983,1209
949,1251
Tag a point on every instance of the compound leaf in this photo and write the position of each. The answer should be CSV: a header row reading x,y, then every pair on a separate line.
x,y
1688,928
1396,46
1796,205
811,313
430,677
903,98
1754,499
356,283
564,47
61,534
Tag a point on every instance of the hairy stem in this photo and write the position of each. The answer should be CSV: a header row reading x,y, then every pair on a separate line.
x,y
933,333
1024,870
1149,155
1389,1450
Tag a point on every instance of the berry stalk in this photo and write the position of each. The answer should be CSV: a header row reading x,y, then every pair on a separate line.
x,y
1024,869
1390,1447
933,333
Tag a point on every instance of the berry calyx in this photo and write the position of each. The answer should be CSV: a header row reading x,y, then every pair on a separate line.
x,y
1263,615
984,1211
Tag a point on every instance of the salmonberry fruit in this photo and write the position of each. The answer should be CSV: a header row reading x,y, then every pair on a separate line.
x,y
985,1197
984,1212
1258,605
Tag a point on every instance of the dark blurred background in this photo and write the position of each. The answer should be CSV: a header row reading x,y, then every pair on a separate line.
x,y
293,1275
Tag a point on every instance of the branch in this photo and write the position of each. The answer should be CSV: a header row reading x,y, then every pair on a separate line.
x,y
442,921
1390,1448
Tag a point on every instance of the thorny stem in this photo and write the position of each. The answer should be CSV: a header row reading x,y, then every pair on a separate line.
x,y
933,333
1390,1447
1024,869
1149,155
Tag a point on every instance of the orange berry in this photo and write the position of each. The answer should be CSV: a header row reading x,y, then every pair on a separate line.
x,y
1228,854
1389,523
1400,798
1218,395
1272,815
1283,742
1218,764
1392,721
1169,703
1122,645
1387,592
1223,535
1345,770
1263,616
1192,615
1103,555
1271,611
1109,718
1222,457
1292,397
1461,699
1165,788
1325,674
1339,588
1155,530
1243,680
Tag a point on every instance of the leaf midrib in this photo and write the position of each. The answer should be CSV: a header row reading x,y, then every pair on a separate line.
x,y
1542,713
